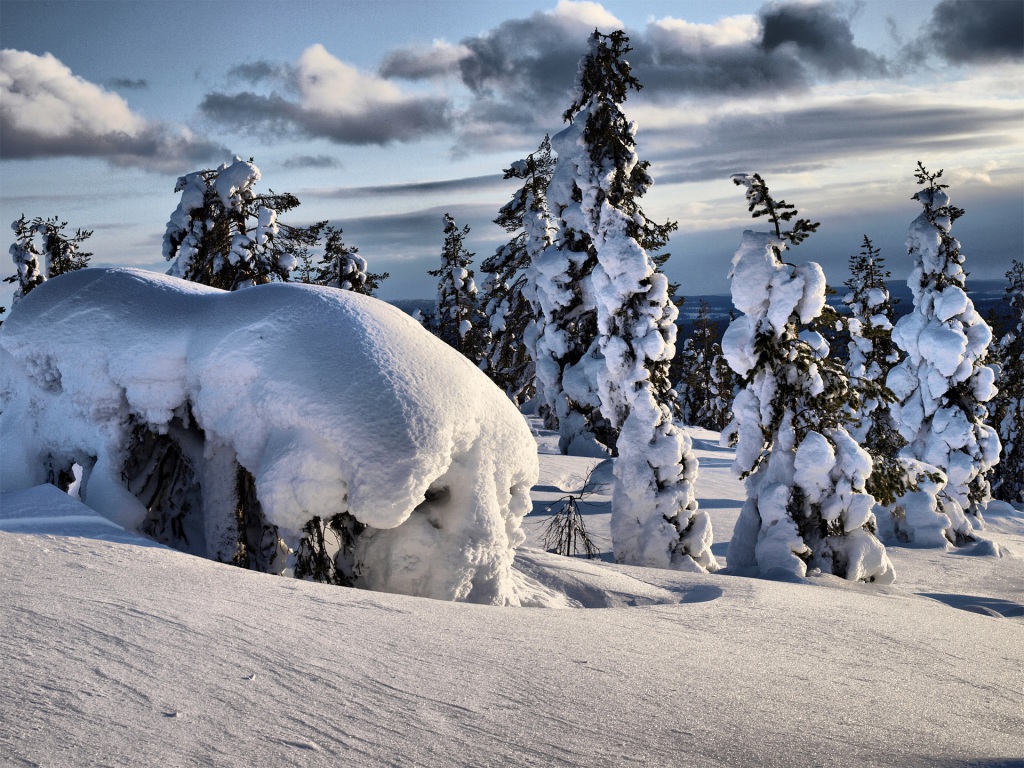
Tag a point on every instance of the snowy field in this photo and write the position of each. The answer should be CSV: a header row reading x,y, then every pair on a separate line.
x,y
117,651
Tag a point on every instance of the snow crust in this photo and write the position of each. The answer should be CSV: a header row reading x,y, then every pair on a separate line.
x,y
333,401
127,655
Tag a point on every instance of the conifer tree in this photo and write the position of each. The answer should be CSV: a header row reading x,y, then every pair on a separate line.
x,y
458,320
1007,408
695,374
226,235
807,506
941,387
721,391
597,165
599,261
872,354
508,301
41,250
343,267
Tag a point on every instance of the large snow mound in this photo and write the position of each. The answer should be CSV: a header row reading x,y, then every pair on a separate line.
x,y
333,401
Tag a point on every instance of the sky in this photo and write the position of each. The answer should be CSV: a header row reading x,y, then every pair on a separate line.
x,y
382,116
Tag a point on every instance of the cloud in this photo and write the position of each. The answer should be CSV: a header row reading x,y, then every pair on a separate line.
x,y
126,84
815,136
820,36
424,62
47,111
332,100
312,161
467,184
974,31
256,72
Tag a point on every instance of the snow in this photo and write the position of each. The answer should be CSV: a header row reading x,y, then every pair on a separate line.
x,y
360,411
124,653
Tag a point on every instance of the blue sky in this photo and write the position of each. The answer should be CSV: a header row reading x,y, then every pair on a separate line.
x,y
381,116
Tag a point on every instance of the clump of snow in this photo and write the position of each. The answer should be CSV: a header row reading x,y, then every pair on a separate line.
x,y
333,401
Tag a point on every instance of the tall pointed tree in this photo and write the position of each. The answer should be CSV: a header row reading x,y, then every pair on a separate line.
x,y
458,320
942,386
508,300
807,506
599,260
872,354
1007,408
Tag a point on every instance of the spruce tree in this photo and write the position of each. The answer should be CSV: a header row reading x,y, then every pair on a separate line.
x,y
941,387
1007,408
508,302
458,320
614,384
42,250
807,505
343,267
721,391
872,354
226,235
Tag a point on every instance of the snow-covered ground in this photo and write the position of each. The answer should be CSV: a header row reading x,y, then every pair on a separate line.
x,y
117,651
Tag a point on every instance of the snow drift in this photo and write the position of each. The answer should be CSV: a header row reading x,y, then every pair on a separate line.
x,y
331,401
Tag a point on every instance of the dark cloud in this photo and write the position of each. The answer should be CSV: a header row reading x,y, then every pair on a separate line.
x,y
974,31
125,84
381,123
468,184
423,62
256,72
312,161
820,37
807,139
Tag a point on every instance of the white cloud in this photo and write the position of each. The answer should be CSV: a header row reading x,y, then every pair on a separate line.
x,y
687,36
40,95
48,111
585,13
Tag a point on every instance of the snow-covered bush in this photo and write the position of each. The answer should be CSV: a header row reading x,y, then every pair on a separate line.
x,y
942,385
806,505
266,409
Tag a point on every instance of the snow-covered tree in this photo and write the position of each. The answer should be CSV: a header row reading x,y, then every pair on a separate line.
x,y
597,169
1007,408
600,263
872,354
941,387
458,320
807,505
695,372
226,235
508,304
723,385
42,250
343,267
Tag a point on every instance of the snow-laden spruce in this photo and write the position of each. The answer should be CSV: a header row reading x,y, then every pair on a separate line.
x,y
458,320
624,370
806,505
1007,408
330,402
42,250
872,354
941,386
